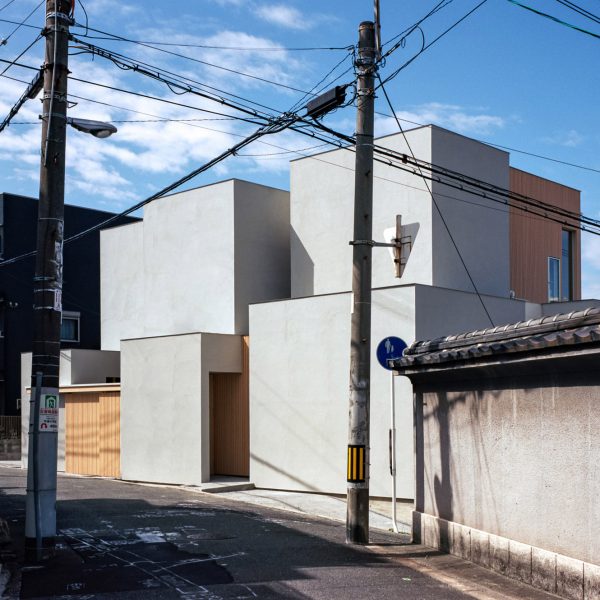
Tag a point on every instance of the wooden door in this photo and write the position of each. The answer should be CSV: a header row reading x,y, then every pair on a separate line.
x,y
93,433
229,426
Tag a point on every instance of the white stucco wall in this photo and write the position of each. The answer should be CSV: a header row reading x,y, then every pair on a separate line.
x,y
262,247
299,373
165,417
441,312
195,262
122,298
322,200
479,226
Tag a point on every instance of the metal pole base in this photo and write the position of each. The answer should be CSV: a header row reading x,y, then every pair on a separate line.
x,y
46,551
357,519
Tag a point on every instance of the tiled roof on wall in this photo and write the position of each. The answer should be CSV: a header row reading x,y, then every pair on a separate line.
x,y
567,329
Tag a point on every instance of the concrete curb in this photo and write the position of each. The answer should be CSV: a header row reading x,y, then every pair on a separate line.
x,y
548,571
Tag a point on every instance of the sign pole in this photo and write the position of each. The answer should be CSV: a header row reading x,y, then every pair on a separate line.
x,y
393,448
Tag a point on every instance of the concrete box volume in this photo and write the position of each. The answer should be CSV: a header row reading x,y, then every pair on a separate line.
x,y
210,265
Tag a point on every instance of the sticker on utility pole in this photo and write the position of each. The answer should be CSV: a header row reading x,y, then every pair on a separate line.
x,y
58,300
390,348
49,413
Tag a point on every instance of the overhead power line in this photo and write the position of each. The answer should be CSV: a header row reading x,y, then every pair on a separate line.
x,y
555,19
580,10
117,38
474,186
14,61
172,102
439,211
401,37
21,23
166,101
435,40
33,89
276,125
6,5
509,148
207,64
171,79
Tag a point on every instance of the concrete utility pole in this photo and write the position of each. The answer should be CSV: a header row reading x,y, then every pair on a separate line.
x,y
40,523
357,517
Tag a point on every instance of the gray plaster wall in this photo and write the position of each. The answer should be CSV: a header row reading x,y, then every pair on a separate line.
x,y
195,262
514,458
441,312
122,297
165,405
262,247
322,200
478,226
299,373
91,366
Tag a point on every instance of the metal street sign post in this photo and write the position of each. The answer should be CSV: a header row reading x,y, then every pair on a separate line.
x,y
390,349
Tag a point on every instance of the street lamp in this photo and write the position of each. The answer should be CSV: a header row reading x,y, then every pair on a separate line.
x,y
98,129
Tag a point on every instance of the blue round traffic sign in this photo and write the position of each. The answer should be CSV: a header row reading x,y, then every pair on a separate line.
x,y
390,348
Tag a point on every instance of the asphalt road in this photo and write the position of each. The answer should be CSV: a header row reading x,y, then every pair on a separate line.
x,y
123,540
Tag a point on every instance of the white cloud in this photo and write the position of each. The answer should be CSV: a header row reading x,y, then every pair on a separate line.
x,y
104,7
119,170
569,139
455,118
271,62
283,15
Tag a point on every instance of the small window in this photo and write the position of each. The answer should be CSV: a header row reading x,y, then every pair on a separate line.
x,y
566,284
69,327
553,279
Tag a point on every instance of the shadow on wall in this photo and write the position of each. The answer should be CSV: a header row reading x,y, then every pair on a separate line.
x,y
299,427
303,268
287,474
443,494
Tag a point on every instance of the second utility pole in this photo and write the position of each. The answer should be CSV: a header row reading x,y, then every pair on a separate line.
x,y
357,517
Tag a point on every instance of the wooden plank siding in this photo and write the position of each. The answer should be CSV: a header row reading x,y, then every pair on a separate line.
x,y
533,238
229,416
93,433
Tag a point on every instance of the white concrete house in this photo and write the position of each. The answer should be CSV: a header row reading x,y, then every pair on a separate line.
x,y
175,294
182,289
299,349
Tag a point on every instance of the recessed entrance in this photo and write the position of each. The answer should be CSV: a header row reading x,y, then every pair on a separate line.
x,y
229,424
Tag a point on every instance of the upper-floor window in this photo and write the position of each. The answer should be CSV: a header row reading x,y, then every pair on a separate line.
x,y
553,279
69,327
566,278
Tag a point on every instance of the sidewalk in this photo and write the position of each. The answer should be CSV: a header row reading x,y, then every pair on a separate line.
x,y
318,505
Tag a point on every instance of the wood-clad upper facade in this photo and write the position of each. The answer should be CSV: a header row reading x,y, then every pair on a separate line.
x,y
545,254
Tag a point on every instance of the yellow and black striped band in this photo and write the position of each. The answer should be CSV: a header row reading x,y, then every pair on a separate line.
x,y
356,464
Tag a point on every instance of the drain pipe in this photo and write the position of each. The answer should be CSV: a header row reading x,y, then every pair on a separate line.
x,y
392,445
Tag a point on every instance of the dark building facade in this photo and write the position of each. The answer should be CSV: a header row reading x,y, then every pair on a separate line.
x,y
81,287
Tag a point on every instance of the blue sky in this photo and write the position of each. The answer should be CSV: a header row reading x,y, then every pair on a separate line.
x,y
504,75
